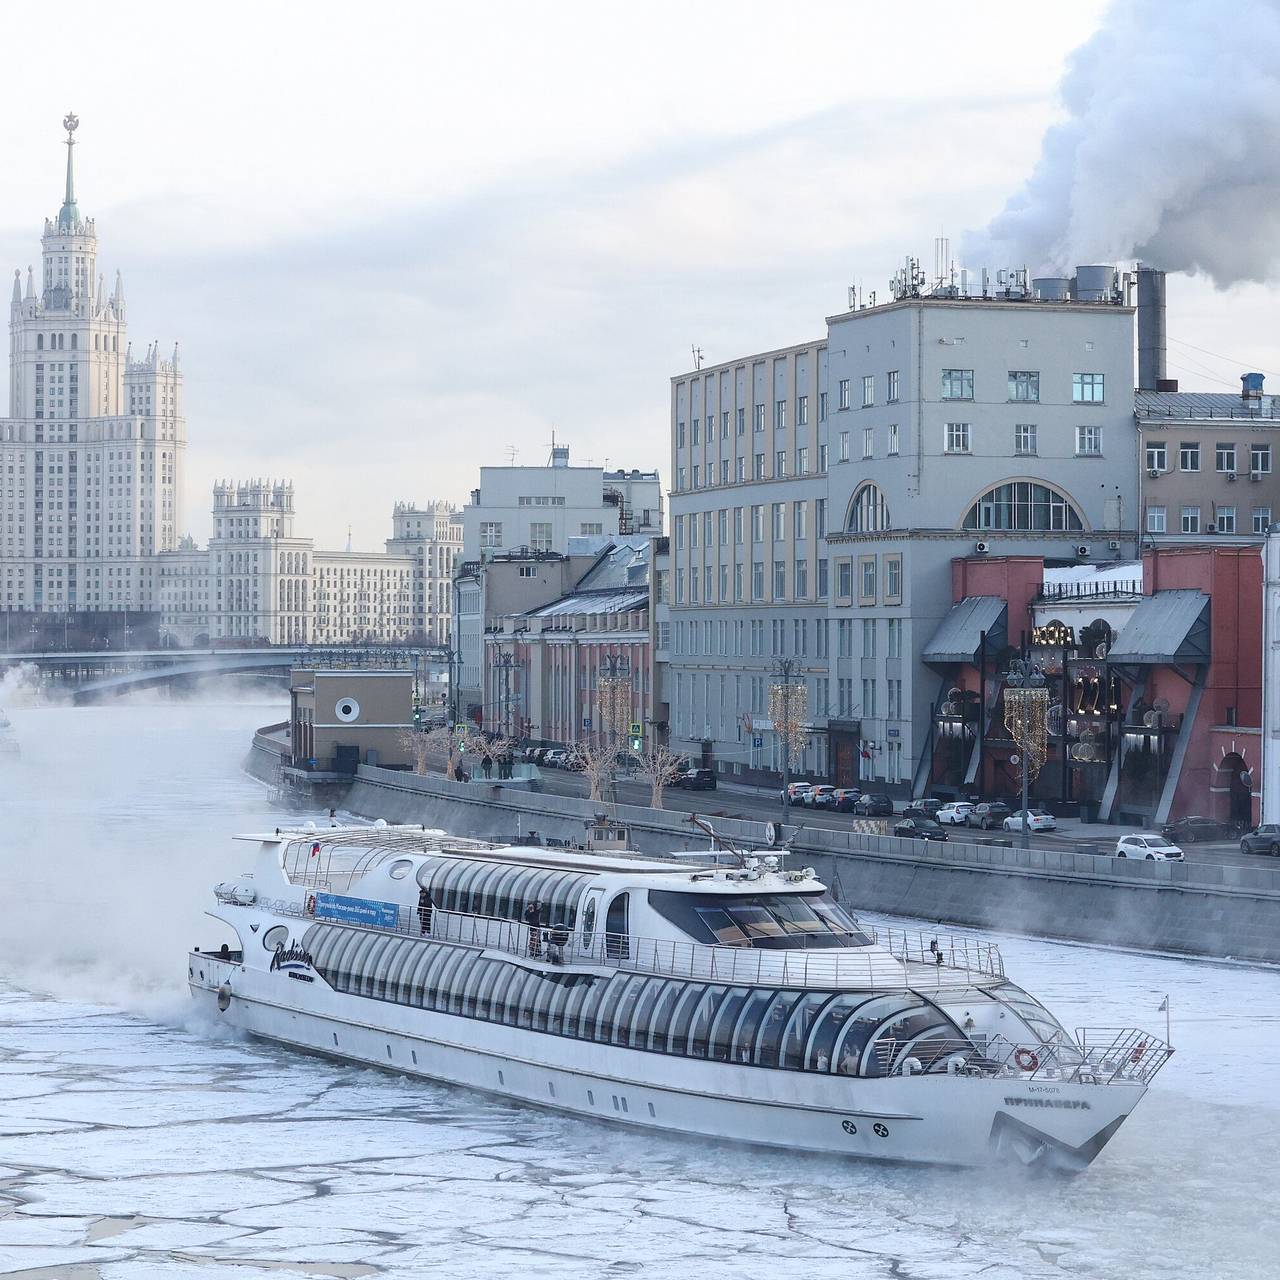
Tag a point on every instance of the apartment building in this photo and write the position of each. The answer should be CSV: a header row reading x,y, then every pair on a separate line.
x,y
432,536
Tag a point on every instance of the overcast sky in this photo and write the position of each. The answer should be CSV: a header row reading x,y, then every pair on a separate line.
x,y
396,241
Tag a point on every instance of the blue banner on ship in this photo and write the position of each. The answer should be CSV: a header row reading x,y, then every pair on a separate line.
x,y
332,906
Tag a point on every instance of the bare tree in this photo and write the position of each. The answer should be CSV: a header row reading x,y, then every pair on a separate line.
x,y
417,743
661,764
598,760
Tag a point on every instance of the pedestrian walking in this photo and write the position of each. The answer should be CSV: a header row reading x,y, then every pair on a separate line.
x,y
425,906
533,918
486,764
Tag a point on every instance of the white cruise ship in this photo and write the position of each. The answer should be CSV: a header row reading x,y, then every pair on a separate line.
x,y
733,1002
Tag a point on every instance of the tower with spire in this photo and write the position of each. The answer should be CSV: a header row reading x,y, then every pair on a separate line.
x,y
98,436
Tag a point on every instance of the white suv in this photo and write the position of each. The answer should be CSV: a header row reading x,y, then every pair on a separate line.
x,y
1148,845
955,814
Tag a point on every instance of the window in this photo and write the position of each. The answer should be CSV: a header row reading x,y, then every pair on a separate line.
x,y
1088,388
892,578
724,472
724,425
491,533
1189,456
679,586
742,422
802,460
1260,459
868,699
868,442
957,438
868,390
1225,458
822,406
820,517
759,417
1024,385
868,637
780,415
1156,520
844,579
843,447
894,648
802,411
540,536
1261,519
722,526
894,710
957,384
757,467
757,524
778,521
780,462
822,459
737,526
1190,519
801,579
799,520
757,580
697,476
740,470
868,512
1088,442
1158,457
867,579
680,480
1226,519
893,439
696,424
843,402
1023,504
679,435
891,386
779,579
737,582
823,578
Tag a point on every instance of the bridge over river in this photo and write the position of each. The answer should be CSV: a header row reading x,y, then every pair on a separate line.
x,y
91,675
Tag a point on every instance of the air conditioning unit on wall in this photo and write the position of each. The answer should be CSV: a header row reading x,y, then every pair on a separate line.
x,y
982,548
1082,550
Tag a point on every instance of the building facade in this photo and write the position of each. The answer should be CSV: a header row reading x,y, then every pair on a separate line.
x,y
91,454
818,523
432,536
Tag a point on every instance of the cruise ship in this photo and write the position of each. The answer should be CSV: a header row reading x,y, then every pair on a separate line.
x,y
726,996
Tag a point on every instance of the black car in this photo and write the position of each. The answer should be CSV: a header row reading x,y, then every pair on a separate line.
x,y
989,815
873,805
1189,830
919,829
695,780
922,808
1266,839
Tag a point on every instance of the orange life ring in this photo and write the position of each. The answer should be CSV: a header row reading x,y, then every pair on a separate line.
x,y
1136,1056
1026,1059
311,904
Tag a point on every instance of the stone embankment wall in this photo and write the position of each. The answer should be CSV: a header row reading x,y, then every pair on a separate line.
x,y
1196,908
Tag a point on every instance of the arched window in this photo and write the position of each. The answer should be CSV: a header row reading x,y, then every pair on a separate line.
x,y
39,341
868,512
1023,505
73,341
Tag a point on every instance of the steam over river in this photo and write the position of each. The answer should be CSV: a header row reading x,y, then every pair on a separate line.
x,y
138,1142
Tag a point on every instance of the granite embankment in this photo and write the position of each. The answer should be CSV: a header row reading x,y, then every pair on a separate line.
x,y
1195,908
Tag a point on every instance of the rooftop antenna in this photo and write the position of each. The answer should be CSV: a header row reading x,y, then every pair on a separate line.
x,y
512,454
348,537
697,357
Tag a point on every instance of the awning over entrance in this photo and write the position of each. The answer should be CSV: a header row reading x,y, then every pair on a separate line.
x,y
1168,627
959,634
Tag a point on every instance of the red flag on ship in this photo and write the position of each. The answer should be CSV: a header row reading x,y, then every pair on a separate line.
x,y
315,849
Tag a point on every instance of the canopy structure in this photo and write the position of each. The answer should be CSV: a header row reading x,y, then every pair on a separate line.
x,y
1170,627
959,635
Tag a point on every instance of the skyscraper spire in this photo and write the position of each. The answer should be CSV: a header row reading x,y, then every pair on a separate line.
x,y
69,215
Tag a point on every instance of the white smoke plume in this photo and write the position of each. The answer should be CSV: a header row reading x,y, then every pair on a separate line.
x,y
1170,150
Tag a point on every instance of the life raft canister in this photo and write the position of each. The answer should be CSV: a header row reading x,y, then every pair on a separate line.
x,y
1026,1059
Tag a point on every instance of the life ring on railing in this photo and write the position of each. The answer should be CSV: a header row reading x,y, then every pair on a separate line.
x,y
1026,1059
1139,1050
311,904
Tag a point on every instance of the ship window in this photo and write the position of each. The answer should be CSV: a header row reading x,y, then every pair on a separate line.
x,y
486,986
415,983
743,1039
406,954
541,889
1044,1025
700,1025
891,1039
773,920
458,982
660,1023
799,1024
720,1042
578,995
559,999
855,1032
511,1010
625,1011
518,892
590,1007
607,1009
543,993
483,892
400,868
678,1037
588,923
470,876
350,943
820,1053
358,956
772,1025
431,975
644,1012
376,970
444,980
278,936
617,945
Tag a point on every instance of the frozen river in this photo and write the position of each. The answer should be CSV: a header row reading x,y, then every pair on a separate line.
x,y
136,1142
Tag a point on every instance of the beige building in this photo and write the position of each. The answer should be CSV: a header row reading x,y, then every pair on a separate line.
x,y
432,536
339,719
362,596
1208,463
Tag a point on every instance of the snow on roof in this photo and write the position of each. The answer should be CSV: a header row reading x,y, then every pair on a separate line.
x,y
1124,571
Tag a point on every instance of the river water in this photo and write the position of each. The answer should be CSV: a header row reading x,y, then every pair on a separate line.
x,y
137,1141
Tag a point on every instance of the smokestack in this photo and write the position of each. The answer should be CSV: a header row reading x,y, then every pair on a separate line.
x,y
1151,329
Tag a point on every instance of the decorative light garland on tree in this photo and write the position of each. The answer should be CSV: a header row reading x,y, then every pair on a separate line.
x,y
789,711
1026,716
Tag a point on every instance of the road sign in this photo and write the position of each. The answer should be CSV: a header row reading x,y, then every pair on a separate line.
x,y
757,742
586,722
637,729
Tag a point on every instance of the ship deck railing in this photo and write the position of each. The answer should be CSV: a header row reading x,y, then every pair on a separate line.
x,y
894,959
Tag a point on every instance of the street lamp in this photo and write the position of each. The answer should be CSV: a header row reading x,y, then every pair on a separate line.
x,y
789,711
506,661
1026,717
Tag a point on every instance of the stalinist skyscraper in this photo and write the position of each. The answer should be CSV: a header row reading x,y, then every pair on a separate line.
x,y
91,454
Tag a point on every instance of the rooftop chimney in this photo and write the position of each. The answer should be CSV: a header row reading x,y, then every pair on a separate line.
x,y
1151,329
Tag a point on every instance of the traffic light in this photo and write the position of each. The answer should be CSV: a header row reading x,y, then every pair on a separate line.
x,y
637,744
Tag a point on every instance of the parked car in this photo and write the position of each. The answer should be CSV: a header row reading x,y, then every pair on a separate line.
x,y
818,797
1264,839
796,790
553,758
695,780
922,809
954,814
1037,820
919,829
573,761
843,799
988,815
1148,845
873,805
1189,830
